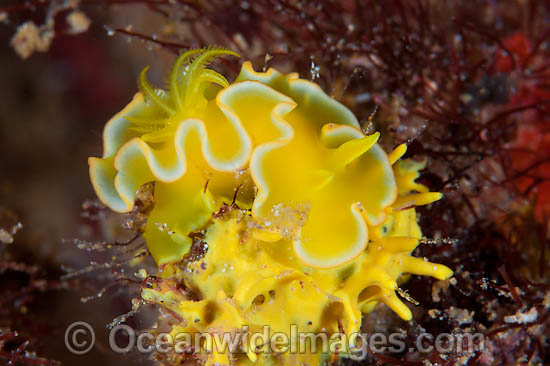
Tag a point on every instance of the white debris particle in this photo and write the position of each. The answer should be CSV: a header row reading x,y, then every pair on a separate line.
x,y
462,316
523,317
440,287
434,313
6,236
30,38
78,22
315,70
110,31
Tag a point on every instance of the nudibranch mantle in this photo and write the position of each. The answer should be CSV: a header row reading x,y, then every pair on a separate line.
x,y
293,143
320,206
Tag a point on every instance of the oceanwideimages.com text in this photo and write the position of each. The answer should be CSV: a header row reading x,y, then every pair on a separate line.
x,y
80,339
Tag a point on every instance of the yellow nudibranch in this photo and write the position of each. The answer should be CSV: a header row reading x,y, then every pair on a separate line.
x,y
325,220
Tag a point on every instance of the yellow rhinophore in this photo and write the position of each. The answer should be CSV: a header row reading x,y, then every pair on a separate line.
x,y
323,222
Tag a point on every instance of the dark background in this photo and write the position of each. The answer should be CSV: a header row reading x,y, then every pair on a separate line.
x,y
465,83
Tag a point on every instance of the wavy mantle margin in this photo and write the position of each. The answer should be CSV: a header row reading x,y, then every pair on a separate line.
x,y
129,162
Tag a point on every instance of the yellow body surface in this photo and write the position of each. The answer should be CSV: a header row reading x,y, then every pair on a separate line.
x,y
323,223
